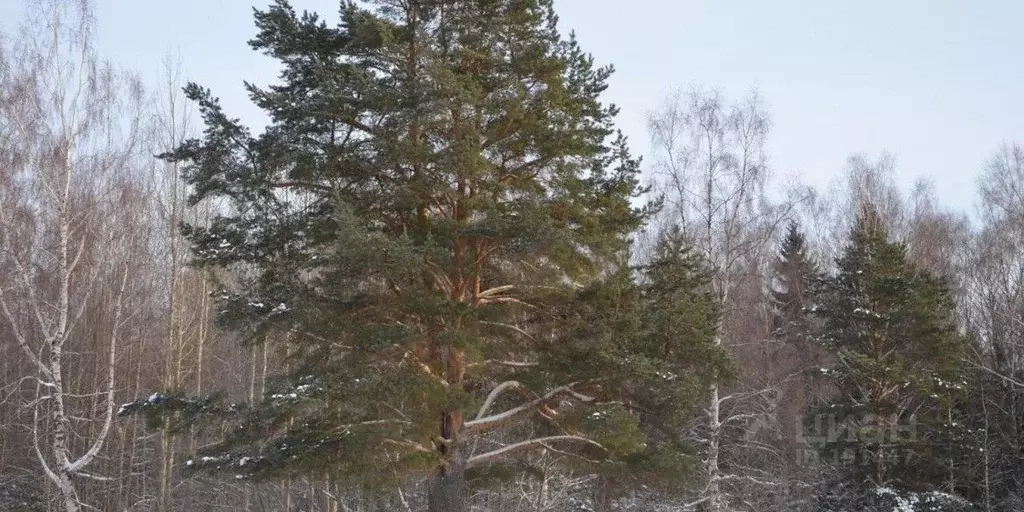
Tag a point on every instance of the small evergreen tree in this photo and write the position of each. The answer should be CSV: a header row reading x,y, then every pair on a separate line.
x,y
895,422
655,325
433,231
795,275
676,321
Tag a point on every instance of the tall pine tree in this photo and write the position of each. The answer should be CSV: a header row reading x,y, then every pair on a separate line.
x,y
899,374
432,230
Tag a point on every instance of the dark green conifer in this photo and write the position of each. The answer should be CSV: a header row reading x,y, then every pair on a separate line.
x,y
898,372
795,357
795,275
432,231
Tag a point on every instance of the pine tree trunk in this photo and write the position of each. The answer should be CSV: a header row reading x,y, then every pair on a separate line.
x,y
447,490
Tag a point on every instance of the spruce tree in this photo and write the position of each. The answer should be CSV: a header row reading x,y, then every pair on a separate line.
x,y
795,276
677,320
432,231
655,326
796,357
894,425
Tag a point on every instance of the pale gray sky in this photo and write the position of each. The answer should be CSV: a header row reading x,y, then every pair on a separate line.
x,y
937,82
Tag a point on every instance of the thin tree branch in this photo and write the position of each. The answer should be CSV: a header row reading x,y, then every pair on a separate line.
x,y
484,458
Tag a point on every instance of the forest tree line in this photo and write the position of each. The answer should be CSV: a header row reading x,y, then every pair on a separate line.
x,y
440,280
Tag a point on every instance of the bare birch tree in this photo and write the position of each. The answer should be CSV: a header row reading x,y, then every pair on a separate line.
x,y
713,170
171,128
935,235
994,309
72,133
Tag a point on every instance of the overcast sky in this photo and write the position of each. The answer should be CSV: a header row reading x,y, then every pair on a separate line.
x,y
936,82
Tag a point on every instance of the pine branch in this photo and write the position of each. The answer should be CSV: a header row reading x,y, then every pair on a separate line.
x,y
486,424
484,458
